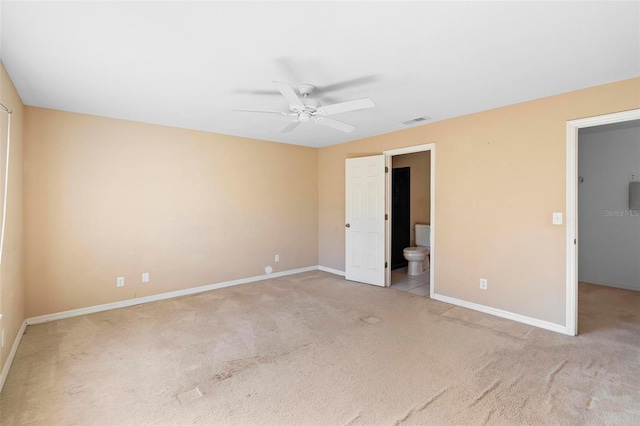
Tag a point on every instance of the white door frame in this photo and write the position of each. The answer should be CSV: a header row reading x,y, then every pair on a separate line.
x,y
387,155
573,126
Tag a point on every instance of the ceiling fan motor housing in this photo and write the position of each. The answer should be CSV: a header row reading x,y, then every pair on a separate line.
x,y
310,106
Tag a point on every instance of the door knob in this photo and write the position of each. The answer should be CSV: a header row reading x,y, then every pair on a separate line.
x,y
348,225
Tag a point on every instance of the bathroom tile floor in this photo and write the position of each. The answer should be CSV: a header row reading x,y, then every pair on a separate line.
x,y
416,284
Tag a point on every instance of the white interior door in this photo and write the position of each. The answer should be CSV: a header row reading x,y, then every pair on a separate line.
x,y
364,233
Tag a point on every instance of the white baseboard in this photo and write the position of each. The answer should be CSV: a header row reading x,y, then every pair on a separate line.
x,y
503,314
161,296
331,270
12,354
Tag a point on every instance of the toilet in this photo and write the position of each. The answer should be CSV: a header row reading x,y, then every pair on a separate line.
x,y
418,256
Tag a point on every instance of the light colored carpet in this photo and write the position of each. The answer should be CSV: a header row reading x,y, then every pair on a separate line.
x,y
314,349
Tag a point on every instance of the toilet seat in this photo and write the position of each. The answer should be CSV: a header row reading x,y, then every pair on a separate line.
x,y
417,250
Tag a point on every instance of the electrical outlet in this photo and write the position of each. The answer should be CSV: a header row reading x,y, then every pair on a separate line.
x,y
145,277
633,177
557,218
120,282
277,258
483,283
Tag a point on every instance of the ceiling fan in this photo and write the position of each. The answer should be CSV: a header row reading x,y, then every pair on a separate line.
x,y
304,108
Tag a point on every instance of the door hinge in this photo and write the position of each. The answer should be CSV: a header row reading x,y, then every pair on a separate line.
x,y
386,217
386,169
575,241
385,264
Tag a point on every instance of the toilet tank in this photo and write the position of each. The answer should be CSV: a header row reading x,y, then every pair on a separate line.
x,y
423,235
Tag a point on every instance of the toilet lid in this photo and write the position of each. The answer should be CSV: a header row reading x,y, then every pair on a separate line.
x,y
418,249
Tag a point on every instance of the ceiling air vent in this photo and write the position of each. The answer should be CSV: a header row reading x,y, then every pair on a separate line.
x,y
416,120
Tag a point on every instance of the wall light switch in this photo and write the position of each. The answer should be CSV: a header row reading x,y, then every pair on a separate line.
x,y
145,277
557,218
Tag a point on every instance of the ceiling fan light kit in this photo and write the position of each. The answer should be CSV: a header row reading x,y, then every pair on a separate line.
x,y
304,108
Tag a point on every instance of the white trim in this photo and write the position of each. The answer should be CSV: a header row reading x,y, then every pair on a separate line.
x,y
573,127
161,296
500,313
388,162
409,149
331,270
12,354
432,221
571,248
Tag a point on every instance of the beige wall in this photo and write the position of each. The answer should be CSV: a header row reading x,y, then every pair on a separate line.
x,y
12,305
499,176
420,192
107,198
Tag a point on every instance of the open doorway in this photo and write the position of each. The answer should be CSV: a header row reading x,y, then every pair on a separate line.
x,y
410,184
400,215
608,224
572,213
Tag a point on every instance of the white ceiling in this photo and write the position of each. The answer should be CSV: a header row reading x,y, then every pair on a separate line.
x,y
189,64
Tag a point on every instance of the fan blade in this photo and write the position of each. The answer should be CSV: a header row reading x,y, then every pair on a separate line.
x,y
347,106
256,92
347,83
263,112
290,127
289,94
335,124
